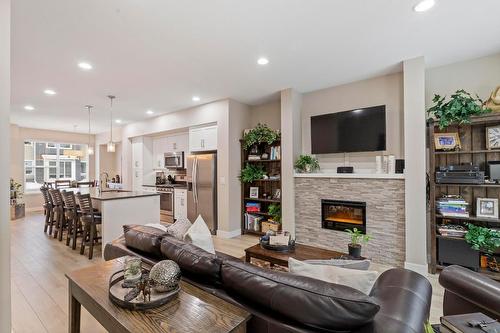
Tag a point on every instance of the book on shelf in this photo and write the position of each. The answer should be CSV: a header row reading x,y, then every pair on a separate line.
x,y
252,207
452,207
275,153
252,222
460,323
254,157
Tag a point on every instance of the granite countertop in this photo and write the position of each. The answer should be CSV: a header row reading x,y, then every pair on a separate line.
x,y
107,194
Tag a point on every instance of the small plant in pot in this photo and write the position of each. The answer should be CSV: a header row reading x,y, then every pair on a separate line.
x,y
357,237
485,240
251,173
307,163
275,211
258,135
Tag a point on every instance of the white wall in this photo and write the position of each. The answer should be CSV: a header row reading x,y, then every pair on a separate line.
x,y
5,304
478,76
415,171
18,135
269,113
384,90
216,112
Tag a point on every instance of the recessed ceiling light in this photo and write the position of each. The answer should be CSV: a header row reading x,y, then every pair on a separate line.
x,y
149,112
29,107
195,99
49,92
118,121
85,66
424,5
263,61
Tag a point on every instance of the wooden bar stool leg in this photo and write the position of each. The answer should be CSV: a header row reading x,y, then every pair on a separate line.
x,y
47,219
84,238
91,240
57,216
51,220
69,232
61,225
76,228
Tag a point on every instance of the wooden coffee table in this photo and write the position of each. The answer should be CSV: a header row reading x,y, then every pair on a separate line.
x,y
302,252
194,310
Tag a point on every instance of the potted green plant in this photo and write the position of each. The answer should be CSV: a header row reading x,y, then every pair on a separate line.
x,y
357,237
458,109
251,173
275,211
485,240
258,135
307,163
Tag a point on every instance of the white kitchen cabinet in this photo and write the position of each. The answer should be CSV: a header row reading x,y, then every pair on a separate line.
x,y
178,143
142,161
203,138
160,146
180,203
169,144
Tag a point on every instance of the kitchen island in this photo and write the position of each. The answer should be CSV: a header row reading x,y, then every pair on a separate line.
x,y
120,207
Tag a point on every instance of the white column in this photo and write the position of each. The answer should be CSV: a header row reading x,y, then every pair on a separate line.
x,y
5,307
291,147
415,183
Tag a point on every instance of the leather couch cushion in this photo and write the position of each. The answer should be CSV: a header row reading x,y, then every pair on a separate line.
x,y
192,260
309,301
143,238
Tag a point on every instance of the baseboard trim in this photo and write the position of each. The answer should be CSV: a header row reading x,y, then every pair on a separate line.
x,y
419,268
33,210
228,234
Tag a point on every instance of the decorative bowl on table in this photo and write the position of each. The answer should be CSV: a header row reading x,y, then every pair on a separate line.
x,y
265,244
150,291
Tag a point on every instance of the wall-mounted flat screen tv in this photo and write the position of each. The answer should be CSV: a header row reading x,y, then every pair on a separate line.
x,y
359,130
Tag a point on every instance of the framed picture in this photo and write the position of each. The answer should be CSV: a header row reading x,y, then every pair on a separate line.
x,y
447,141
277,194
493,137
487,208
254,192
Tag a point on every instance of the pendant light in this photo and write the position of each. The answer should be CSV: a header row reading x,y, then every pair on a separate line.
x,y
90,148
111,145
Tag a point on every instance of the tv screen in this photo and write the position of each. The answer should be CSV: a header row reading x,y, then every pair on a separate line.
x,y
359,130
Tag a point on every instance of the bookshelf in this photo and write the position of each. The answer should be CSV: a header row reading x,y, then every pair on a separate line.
x,y
266,186
473,150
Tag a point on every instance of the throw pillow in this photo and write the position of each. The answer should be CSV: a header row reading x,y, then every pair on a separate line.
x,y
157,226
360,280
179,228
352,264
200,236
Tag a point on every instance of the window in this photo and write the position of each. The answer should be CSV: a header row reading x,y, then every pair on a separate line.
x,y
48,161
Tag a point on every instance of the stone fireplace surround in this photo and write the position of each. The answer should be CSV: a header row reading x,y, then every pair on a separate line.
x,y
385,213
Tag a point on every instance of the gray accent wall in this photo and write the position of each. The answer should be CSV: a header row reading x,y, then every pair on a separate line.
x,y
385,215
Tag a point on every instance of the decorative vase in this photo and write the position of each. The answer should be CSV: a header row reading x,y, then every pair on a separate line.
x,y
165,276
308,168
255,150
354,250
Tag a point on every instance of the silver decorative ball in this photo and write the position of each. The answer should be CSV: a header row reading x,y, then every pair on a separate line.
x,y
165,276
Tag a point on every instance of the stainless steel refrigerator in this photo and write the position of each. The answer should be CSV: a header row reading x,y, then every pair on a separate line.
x,y
202,188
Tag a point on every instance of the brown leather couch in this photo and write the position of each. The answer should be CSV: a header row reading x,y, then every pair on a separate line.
x,y
285,303
466,291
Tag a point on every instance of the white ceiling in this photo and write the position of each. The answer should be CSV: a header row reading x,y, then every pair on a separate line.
x,y
157,54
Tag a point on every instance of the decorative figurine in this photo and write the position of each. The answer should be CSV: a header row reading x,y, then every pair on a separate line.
x,y
493,102
165,276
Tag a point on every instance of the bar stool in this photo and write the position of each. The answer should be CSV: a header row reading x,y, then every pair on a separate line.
x,y
48,210
58,203
72,213
90,219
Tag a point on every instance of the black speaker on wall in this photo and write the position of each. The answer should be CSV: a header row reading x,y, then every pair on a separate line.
x,y
400,166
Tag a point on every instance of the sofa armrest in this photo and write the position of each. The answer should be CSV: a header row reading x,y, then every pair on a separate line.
x,y
405,300
467,291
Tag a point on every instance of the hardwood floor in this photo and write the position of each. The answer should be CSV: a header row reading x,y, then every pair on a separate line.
x,y
39,286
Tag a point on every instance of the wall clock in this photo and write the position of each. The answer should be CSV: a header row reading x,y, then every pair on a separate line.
x,y
493,137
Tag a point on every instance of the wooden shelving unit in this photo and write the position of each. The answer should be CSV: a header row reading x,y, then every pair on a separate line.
x,y
473,150
268,186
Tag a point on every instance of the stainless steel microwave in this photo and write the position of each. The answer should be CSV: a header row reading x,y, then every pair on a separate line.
x,y
174,160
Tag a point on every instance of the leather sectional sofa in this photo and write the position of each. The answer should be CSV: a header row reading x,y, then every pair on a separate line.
x,y
285,303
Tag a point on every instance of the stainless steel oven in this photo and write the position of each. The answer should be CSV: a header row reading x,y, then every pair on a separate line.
x,y
174,160
166,203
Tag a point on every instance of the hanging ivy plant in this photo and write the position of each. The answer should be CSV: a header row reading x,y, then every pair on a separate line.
x,y
260,134
460,107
